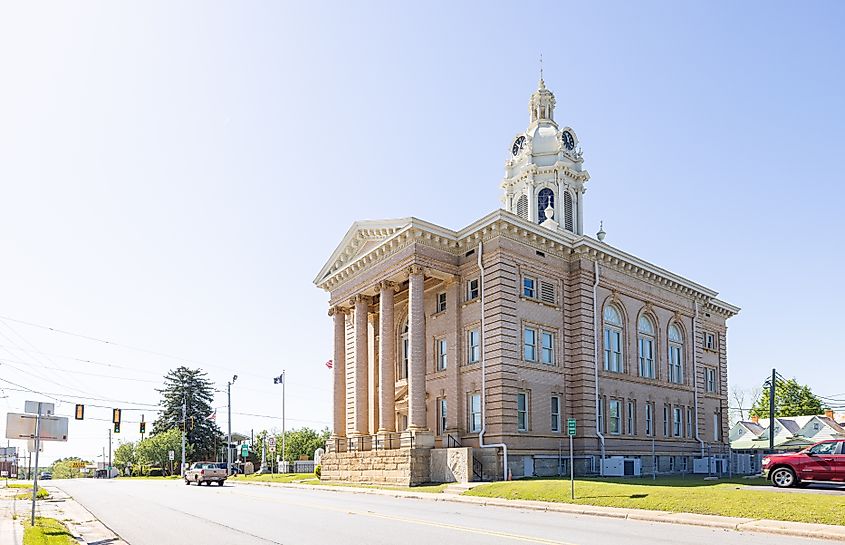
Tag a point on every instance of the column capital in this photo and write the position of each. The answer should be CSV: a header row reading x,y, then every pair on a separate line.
x,y
337,309
415,269
360,298
387,285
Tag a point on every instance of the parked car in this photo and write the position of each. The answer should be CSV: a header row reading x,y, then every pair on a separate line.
x,y
205,472
45,476
823,461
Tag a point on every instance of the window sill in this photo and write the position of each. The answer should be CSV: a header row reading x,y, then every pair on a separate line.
x,y
538,301
438,314
470,301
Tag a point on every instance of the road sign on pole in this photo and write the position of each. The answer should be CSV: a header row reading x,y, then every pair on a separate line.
x,y
244,450
24,426
171,455
570,425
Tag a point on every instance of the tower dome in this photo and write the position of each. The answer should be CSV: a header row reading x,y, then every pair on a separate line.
x,y
544,169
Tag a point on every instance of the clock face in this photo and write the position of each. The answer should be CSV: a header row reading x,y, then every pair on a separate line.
x,y
568,140
518,144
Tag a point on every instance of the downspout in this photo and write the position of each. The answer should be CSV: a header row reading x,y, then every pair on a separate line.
x,y
596,367
481,444
695,378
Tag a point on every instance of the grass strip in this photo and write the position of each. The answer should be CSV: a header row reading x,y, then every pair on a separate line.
x,y
47,531
728,498
40,495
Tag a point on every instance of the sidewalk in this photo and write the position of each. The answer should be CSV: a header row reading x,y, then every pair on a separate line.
x,y
11,531
452,493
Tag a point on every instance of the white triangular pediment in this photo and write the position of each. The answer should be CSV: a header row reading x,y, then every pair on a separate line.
x,y
361,239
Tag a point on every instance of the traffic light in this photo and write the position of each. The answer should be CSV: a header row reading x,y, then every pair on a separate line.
x,y
79,414
193,422
143,428
117,427
115,416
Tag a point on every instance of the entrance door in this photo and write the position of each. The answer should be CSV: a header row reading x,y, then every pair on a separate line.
x,y
528,466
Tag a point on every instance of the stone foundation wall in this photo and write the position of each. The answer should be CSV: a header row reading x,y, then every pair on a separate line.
x,y
399,467
451,465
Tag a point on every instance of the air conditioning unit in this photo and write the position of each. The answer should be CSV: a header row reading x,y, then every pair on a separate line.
x,y
619,466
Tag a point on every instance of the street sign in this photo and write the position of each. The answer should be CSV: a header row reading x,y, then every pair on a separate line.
x,y
271,443
244,450
47,409
570,424
30,446
22,426
171,455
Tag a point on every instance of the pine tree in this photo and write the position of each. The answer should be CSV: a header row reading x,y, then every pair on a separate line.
x,y
191,385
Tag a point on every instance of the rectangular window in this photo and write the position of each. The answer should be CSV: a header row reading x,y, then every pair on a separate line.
x,y
689,421
522,411
473,291
615,417
529,344
646,348
677,421
632,418
555,413
601,414
473,346
547,292
529,287
710,375
649,419
441,354
547,347
709,341
716,426
612,350
475,413
441,416
675,370
666,420
441,301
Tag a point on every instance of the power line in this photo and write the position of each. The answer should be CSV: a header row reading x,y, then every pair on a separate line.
x,y
9,362
22,388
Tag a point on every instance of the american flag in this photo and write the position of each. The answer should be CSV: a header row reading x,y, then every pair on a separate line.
x,y
213,416
329,364
279,379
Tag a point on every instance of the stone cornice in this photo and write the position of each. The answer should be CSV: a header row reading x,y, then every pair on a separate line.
x,y
563,244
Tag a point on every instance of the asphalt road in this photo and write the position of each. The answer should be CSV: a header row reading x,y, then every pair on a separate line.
x,y
170,513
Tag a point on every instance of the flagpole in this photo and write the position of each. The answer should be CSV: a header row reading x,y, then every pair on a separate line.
x,y
283,421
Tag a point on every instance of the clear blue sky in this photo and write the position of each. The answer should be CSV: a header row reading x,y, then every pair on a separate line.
x,y
174,174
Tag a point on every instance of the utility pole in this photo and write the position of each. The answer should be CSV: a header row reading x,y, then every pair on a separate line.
x,y
772,411
37,448
184,425
109,453
283,421
229,424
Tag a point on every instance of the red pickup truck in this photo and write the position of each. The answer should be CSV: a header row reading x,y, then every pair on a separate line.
x,y
823,461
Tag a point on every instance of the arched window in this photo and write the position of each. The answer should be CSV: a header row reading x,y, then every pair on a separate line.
x,y
676,355
645,345
522,207
403,339
545,198
567,211
612,339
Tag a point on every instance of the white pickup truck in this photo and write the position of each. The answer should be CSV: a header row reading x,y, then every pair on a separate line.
x,y
206,472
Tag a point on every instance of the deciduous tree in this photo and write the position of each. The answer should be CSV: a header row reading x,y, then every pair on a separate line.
x,y
791,399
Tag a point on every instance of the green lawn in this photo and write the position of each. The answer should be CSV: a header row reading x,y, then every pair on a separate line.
x,y
276,477
147,478
428,488
681,495
46,531
19,485
40,495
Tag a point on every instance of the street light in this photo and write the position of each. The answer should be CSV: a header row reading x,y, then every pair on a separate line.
x,y
229,422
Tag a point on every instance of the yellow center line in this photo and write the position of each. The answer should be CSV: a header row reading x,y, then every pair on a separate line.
x,y
421,522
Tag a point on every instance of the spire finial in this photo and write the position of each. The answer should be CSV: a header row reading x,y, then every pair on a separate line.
x,y
601,234
541,68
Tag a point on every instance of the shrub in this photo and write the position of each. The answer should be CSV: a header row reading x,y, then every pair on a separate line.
x,y
156,472
317,470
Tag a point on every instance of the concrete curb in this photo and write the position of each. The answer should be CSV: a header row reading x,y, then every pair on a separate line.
x,y
785,528
85,527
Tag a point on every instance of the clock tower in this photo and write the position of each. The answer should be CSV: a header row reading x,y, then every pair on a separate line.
x,y
544,176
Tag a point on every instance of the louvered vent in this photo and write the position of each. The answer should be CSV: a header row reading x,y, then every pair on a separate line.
x,y
567,211
522,207
547,292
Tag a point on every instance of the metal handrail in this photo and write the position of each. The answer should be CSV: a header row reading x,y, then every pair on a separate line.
x,y
363,443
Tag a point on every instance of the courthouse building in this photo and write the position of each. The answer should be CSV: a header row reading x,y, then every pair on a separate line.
x,y
457,350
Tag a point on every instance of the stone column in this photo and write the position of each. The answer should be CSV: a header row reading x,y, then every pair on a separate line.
x,y
361,359
339,372
416,338
372,372
387,360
